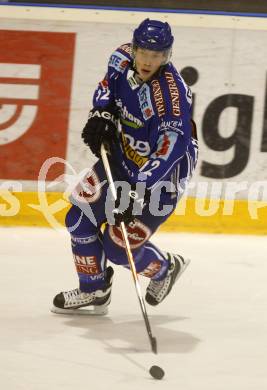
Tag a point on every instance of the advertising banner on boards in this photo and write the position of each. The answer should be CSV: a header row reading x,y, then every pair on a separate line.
x,y
51,63
35,88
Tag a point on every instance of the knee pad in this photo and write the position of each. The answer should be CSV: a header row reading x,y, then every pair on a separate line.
x,y
77,222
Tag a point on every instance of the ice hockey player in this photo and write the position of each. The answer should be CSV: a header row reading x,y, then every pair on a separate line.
x,y
152,154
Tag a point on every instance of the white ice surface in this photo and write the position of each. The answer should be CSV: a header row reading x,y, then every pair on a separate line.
x,y
211,331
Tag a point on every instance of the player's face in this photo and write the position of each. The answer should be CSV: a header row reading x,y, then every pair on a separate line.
x,y
148,62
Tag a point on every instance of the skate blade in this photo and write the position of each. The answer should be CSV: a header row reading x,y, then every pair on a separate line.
x,y
93,311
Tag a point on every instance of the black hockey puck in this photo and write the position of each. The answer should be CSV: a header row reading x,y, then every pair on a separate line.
x,y
157,372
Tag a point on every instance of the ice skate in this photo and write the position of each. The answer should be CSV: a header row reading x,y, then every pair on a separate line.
x,y
158,290
83,303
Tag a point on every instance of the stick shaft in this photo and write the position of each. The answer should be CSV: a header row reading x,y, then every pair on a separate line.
x,y
129,252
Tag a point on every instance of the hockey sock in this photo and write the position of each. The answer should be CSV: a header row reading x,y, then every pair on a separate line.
x,y
152,263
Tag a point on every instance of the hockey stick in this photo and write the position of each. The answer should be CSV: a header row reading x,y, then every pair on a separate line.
x,y
152,339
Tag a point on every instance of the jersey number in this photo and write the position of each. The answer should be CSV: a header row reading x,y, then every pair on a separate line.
x,y
154,165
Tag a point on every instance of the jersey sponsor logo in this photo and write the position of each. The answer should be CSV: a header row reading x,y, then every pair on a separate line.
x,y
174,92
89,190
158,97
104,83
137,233
118,61
127,48
145,102
103,114
83,240
127,118
152,269
98,276
171,125
142,147
132,154
86,264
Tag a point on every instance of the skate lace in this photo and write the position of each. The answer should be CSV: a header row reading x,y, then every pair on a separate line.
x,y
72,295
156,286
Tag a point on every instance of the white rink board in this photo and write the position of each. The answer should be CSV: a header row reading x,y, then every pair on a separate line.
x,y
228,52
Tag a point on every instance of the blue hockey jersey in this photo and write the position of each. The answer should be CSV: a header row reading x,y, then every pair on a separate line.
x,y
155,117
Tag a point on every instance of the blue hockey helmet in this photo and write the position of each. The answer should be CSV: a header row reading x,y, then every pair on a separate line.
x,y
153,35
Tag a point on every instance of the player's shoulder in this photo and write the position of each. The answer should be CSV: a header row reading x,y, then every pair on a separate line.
x,y
170,92
126,50
173,78
121,58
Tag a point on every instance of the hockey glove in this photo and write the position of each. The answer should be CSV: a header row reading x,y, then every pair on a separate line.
x,y
135,207
100,127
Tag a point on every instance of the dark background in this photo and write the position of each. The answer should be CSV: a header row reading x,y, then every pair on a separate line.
x,y
246,6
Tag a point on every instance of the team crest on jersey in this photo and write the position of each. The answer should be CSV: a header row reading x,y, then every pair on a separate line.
x,y
118,61
145,102
174,92
165,145
158,97
137,233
